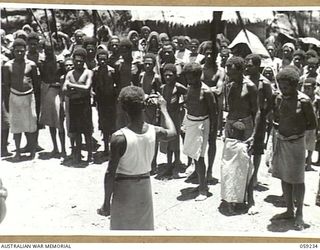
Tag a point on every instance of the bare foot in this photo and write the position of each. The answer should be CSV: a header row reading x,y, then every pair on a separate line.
x,y
299,223
283,216
309,168
103,212
17,157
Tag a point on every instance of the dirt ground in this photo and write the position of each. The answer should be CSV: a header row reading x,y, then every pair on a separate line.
x,y
46,197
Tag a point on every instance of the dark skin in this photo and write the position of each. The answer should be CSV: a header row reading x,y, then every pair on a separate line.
x,y
293,121
264,100
51,73
119,144
242,104
21,75
80,76
200,102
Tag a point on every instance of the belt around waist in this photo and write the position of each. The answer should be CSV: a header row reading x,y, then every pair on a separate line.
x,y
133,177
19,93
197,118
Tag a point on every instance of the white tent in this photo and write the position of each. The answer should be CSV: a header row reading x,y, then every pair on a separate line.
x,y
310,40
252,41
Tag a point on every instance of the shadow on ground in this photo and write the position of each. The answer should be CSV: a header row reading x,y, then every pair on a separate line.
x,y
15,160
239,209
277,201
49,155
68,162
282,226
100,157
190,193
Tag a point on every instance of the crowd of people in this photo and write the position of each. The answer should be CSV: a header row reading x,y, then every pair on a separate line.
x,y
153,92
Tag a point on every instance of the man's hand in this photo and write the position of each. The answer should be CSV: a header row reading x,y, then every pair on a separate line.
x,y
162,103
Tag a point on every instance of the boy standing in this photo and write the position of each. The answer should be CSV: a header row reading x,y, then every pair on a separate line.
x,y
77,84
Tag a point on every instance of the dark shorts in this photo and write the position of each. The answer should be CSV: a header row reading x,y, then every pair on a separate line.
x,y
80,115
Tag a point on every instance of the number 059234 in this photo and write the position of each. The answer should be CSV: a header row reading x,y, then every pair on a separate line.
x,y
309,245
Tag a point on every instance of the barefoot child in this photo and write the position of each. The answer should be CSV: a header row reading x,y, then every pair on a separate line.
x,y
293,115
128,175
171,92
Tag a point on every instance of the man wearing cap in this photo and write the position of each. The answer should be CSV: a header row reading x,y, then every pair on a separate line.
x,y
20,77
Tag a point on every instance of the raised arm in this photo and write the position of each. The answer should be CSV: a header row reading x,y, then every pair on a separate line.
x,y
220,83
169,132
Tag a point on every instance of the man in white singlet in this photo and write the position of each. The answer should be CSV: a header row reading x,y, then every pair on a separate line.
x,y
128,175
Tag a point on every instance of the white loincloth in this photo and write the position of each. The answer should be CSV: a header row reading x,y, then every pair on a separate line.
x,y
236,171
197,136
22,112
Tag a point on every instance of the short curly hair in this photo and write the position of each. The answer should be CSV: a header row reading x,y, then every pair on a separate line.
x,y
193,67
19,42
126,43
89,41
170,67
299,52
151,56
313,60
255,58
132,99
237,61
289,74
80,52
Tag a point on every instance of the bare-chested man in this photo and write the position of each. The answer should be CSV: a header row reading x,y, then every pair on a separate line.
x,y
200,122
214,77
150,83
20,77
293,115
104,87
264,100
243,106
51,110
77,85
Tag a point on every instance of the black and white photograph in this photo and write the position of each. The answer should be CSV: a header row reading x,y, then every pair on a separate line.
x,y
162,120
